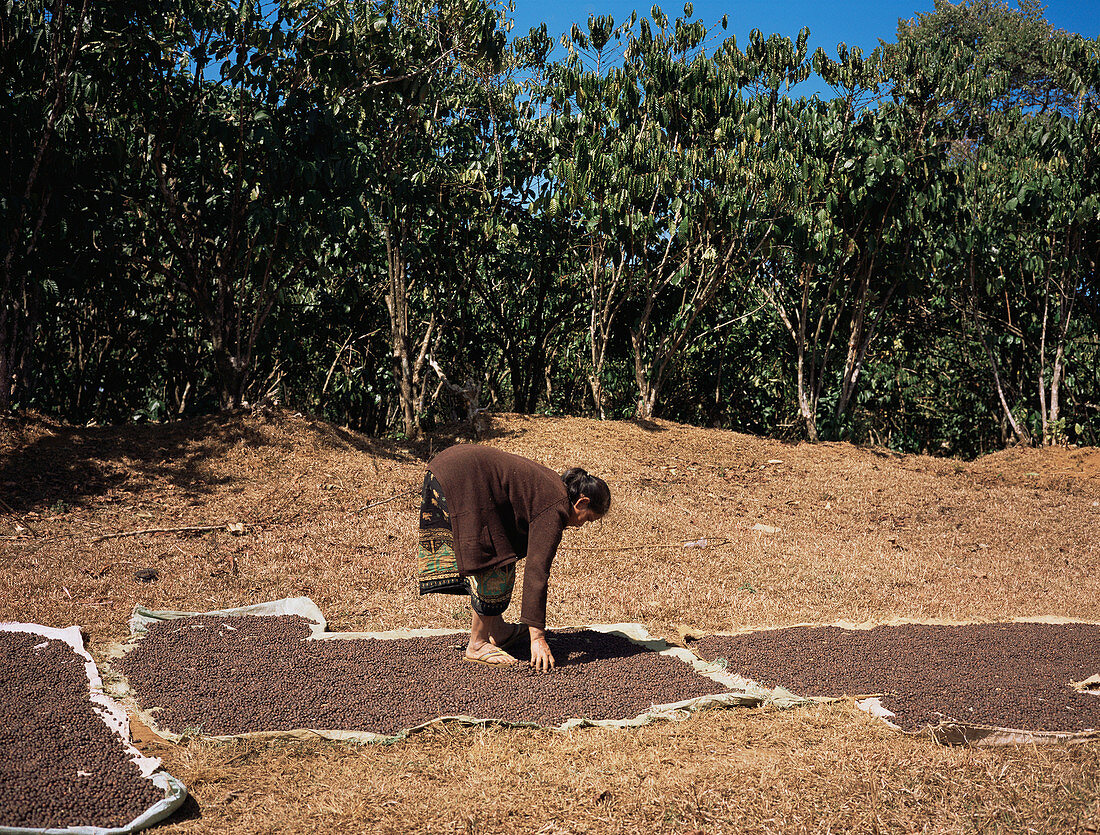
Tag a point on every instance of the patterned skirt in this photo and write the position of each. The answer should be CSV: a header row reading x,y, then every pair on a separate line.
x,y
490,591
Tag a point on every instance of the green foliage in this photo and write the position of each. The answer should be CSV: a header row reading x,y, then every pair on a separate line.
x,y
389,214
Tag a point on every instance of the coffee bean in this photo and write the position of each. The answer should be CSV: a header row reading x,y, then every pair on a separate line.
x,y
60,765
241,674
1010,675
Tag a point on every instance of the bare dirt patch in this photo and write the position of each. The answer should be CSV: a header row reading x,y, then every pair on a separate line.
x,y
813,534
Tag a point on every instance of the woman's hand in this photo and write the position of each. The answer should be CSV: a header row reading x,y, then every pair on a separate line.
x,y
541,657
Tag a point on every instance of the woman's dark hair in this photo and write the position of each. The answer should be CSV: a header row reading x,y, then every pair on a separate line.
x,y
579,483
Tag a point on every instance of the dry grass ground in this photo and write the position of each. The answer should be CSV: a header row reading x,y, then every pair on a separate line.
x,y
849,534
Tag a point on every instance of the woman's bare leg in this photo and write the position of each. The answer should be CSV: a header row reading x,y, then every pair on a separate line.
x,y
483,628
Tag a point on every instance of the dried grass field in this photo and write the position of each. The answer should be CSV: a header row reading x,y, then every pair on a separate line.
x,y
796,534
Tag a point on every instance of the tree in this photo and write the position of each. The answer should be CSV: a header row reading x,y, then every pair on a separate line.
x,y
1023,157
1011,46
1033,236
668,196
859,188
585,103
43,54
713,211
234,172
405,98
524,304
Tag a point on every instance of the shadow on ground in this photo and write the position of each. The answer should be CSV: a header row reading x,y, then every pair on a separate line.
x,y
43,463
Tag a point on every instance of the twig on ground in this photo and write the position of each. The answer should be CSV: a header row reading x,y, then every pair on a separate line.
x,y
186,529
22,519
707,465
695,543
232,527
390,499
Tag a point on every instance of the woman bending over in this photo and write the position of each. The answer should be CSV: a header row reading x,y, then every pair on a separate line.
x,y
483,509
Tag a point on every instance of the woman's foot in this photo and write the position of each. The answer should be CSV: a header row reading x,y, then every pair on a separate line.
x,y
510,635
489,655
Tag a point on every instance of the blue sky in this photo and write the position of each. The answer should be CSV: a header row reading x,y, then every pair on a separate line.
x,y
860,23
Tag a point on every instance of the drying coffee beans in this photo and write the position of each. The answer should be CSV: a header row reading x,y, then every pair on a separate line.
x,y
1010,675
240,674
60,765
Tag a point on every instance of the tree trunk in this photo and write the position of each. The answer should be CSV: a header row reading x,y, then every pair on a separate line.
x,y
1018,431
1043,415
528,377
18,326
860,342
7,355
527,399
232,374
807,391
595,378
807,400
647,389
1049,398
223,318
856,347
596,387
647,404
1056,385
605,305
397,305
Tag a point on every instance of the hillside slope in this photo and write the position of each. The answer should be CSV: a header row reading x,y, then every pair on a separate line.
x,y
795,533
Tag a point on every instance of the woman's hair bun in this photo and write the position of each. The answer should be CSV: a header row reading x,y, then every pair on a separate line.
x,y
580,484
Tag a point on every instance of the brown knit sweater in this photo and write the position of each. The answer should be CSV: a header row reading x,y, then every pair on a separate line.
x,y
504,508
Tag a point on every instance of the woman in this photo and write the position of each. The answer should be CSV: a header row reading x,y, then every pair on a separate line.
x,y
483,509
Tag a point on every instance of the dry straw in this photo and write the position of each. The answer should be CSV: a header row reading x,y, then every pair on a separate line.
x,y
859,535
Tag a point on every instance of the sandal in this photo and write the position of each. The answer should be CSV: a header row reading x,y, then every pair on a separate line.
x,y
519,631
495,657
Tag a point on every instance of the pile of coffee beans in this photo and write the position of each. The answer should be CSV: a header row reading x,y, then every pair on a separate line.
x,y
60,765
239,674
1009,675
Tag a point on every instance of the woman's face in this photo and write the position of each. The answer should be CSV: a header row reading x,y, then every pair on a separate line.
x,y
581,513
